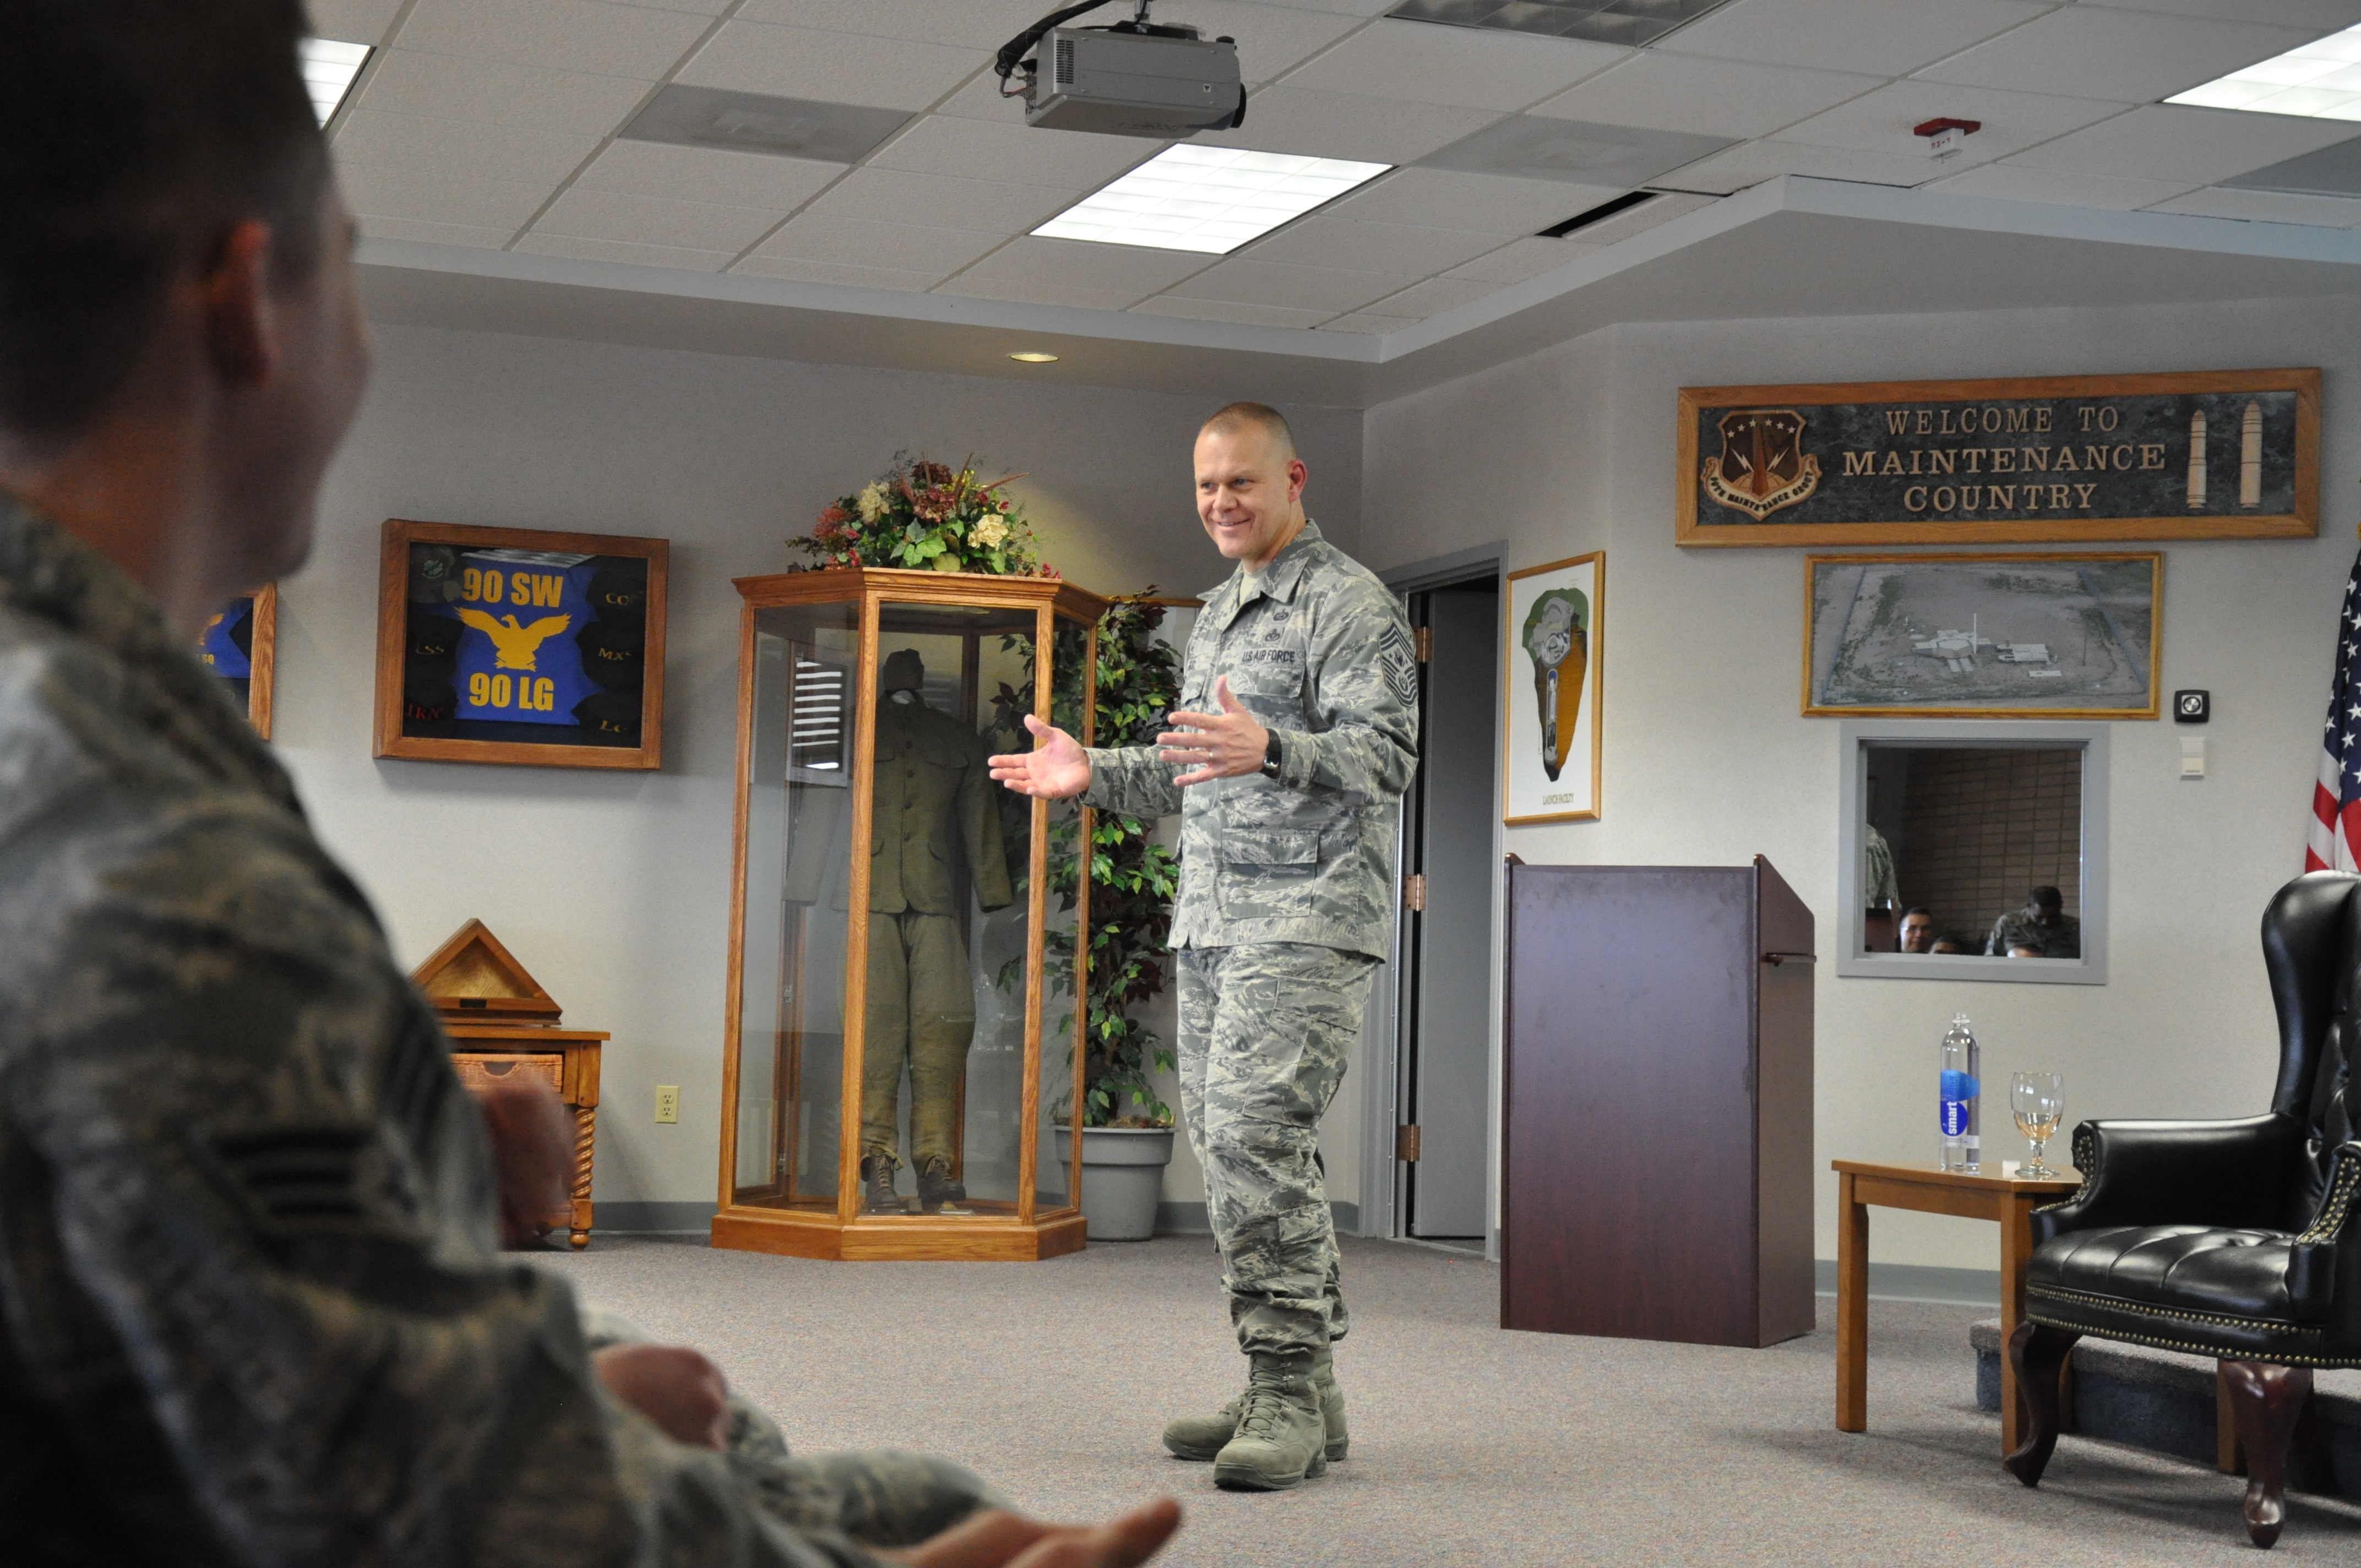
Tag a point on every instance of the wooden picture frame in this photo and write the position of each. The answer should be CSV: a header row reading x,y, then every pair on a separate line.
x,y
240,646
2209,454
1879,642
1543,778
457,685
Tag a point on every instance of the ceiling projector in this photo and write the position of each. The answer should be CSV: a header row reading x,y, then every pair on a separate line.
x,y
1135,79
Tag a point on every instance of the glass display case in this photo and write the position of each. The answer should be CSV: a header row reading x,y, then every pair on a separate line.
x,y
885,1093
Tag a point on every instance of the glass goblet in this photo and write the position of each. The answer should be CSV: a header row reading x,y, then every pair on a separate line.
x,y
2038,1101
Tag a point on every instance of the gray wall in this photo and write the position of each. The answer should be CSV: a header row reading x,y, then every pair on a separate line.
x,y
1706,759
614,888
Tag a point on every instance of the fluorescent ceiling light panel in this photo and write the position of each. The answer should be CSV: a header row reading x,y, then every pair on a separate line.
x,y
1208,199
2318,80
329,67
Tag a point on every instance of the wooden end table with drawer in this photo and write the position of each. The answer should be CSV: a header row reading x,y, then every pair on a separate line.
x,y
2009,1200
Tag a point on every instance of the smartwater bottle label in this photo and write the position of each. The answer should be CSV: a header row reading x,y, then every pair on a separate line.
x,y
1957,1093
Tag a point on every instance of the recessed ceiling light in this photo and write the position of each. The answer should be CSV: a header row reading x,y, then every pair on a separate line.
x,y
329,67
1033,356
1208,199
2320,80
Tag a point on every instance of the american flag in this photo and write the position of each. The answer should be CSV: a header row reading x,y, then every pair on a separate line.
x,y
2333,842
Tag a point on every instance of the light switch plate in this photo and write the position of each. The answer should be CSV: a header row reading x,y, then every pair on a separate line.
x,y
2192,756
668,1101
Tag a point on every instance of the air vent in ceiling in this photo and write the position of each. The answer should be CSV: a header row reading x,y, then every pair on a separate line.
x,y
756,122
1632,22
1535,147
1598,215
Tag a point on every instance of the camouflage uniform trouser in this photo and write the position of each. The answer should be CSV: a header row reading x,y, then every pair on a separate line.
x,y
882,1498
922,1008
1264,1033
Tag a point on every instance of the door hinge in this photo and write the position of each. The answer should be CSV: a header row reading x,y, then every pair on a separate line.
x,y
1406,1143
1414,892
1424,636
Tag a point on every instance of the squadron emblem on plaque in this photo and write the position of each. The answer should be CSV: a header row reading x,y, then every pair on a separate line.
x,y
1763,465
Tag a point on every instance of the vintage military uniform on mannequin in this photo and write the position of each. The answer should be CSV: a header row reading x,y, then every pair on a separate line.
x,y
934,797
1284,911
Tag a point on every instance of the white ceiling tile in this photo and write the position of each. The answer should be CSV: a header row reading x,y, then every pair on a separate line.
x,y
2265,207
1226,311
973,23
440,196
840,272
833,68
2015,182
1751,163
862,242
352,21
2095,51
655,220
1370,322
1434,297
1039,291
1271,38
2321,16
1487,204
1474,68
470,235
442,87
985,149
980,100
543,243
1882,121
896,195
708,174
1522,258
555,35
1659,209
2197,146
1656,91
1342,7
1886,37
1288,118
517,153
1246,282
1372,248
1118,267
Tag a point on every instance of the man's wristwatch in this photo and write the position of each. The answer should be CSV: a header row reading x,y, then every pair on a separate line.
x,y
1270,757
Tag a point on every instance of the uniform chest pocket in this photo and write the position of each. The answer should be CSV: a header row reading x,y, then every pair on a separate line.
x,y
1272,852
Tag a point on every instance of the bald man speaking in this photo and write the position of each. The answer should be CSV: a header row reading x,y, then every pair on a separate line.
x,y
1296,736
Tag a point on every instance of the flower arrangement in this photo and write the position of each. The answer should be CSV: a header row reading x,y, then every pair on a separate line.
x,y
925,516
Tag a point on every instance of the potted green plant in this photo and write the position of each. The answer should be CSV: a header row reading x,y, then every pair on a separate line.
x,y
1126,1129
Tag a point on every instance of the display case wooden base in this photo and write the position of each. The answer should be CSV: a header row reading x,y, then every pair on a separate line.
x,y
887,1238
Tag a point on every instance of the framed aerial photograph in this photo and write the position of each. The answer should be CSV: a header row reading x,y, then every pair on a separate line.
x,y
521,646
240,647
1551,685
2057,459
1982,636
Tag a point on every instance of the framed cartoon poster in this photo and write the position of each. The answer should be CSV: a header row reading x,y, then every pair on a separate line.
x,y
1553,682
240,646
519,645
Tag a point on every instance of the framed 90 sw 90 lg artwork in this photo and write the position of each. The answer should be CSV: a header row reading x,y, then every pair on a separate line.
x,y
520,645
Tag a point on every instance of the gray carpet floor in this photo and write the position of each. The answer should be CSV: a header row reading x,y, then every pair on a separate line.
x,y
1469,1445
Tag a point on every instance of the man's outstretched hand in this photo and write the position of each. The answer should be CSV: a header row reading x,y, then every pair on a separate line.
x,y
678,1389
1052,772
1222,745
1000,1540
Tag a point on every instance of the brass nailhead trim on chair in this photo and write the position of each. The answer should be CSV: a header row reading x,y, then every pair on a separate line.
x,y
2277,1358
2117,1304
2330,1218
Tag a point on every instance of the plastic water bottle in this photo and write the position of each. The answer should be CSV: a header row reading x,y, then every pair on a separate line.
x,y
1959,1094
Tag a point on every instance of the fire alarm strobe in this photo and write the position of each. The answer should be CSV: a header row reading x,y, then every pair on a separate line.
x,y
1946,136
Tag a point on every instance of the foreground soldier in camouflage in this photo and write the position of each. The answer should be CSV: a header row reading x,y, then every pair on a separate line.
x,y
1295,738
251,1307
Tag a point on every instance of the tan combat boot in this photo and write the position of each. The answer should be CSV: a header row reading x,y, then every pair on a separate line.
x,y
1280,1440
1202,1437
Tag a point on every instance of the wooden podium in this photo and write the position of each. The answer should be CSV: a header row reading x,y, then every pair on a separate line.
x,y
1657,1134
500,1021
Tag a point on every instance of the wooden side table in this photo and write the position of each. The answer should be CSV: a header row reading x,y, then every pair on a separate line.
x,y
1930,1191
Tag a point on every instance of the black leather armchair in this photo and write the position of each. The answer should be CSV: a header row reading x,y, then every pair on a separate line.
x,y
2238,1239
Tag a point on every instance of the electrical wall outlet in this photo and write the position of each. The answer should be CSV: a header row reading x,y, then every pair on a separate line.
x,y
668,1101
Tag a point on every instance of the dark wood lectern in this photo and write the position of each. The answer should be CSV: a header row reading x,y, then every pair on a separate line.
x,y
1657,1145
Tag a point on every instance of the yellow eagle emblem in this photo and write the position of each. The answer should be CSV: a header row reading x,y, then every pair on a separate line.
x,y
515,646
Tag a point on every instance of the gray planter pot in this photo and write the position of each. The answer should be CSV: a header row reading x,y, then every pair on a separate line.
x,y
1123,1177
